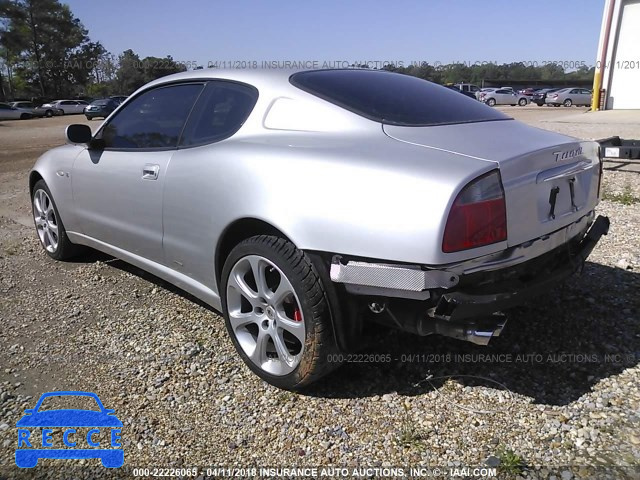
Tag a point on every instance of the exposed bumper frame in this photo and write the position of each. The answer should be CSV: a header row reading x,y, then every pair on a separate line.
x,y
459,305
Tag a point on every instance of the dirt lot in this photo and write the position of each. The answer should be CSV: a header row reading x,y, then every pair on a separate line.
x,y
557,393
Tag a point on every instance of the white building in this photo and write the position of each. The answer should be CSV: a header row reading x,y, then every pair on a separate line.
x,y
618,61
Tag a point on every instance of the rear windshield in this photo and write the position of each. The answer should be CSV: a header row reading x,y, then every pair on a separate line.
x,y
393,98
101,102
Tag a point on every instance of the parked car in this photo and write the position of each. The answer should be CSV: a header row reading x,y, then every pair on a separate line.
x,y
7,112
66,107
529,92
119,98
100,108
47,110
467,87
540,96
503,96
464,92
439,211
569,96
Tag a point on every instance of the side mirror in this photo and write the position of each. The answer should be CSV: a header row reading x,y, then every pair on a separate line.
x,y
78,133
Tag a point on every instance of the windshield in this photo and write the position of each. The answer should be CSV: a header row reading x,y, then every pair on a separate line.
x,y
393,98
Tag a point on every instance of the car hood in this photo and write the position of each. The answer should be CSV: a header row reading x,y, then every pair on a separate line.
x,y
69,418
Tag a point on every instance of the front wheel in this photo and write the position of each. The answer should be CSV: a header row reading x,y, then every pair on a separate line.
x,y
89,118
51,232
277,313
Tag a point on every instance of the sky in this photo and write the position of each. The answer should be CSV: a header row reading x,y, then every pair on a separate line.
x,y
436,31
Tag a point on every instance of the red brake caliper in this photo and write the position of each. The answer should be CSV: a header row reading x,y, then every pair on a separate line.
x,y
297,314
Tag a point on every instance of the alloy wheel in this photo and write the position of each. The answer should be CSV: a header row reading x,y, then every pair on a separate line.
x,y
265,315
44,216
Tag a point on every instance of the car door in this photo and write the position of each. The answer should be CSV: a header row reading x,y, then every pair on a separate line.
x,y
8,113
117,189
199,190
585,97
504,97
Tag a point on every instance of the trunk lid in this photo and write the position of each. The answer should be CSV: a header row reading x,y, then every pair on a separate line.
x,y
539,169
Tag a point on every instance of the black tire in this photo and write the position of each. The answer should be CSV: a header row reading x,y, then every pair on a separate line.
x,y
316,359
25,116
567,102
48,113
89,118
491,102
61,112
522,102
65,250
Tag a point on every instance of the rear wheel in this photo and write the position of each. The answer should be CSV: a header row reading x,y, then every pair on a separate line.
x,y
567,102
51,232
277,313
491,102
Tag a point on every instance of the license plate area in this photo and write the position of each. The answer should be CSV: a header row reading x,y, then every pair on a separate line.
x,y
561,197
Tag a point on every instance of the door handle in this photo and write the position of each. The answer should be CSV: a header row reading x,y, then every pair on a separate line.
x,y
150,172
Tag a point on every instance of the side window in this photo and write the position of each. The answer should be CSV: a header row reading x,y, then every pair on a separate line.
x,y
220,111
153,119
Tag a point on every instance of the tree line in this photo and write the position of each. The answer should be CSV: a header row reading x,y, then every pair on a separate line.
x,y
46,52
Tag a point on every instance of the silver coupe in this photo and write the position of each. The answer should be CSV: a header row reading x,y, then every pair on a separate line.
x,y
304,205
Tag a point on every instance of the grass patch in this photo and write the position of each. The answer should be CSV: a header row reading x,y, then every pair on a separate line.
x,y
625,198
410,434
510,462
285,397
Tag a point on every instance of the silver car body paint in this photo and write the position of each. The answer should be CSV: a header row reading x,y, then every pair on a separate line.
x,y
327,178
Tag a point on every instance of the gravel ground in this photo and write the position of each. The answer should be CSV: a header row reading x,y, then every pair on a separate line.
x,y
558,394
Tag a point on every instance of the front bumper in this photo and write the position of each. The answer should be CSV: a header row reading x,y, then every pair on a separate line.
x,y
452,302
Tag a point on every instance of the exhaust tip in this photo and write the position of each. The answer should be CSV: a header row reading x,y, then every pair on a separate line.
x,y
482,336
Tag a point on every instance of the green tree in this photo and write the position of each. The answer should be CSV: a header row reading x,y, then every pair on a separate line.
x,y
56,54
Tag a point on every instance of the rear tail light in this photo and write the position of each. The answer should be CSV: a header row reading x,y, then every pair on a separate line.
x,y
554,95
478,216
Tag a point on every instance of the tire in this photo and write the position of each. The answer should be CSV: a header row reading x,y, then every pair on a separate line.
x,y
567,102
89,118
61,112
25,116
522,102
48,113
257,319
45,214
491,102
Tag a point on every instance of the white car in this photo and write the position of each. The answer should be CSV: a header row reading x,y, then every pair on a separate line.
x,y
67,106
503,96
7,112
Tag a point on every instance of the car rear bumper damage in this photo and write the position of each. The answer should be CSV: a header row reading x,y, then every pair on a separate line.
x,y
465,300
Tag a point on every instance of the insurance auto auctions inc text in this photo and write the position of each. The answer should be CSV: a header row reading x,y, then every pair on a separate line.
x,y
354,472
